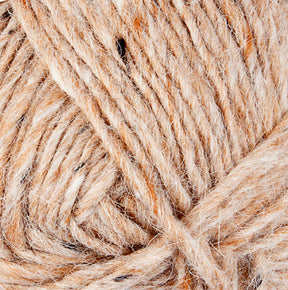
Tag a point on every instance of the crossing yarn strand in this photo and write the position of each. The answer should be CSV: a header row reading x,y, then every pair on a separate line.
x,y
144,144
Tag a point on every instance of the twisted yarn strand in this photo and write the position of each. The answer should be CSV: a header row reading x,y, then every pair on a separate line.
x,y
143,144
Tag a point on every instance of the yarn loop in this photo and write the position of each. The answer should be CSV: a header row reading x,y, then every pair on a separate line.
x,y
143,144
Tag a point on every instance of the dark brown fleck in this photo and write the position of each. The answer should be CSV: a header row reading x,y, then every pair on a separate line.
x,y
121,278
7,13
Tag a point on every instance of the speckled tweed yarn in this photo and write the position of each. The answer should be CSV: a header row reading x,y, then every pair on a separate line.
x,y
144,144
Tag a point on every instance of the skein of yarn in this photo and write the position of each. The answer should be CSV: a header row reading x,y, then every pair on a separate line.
x,y
144,144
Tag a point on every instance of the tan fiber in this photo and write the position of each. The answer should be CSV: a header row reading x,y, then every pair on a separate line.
x,y
144,144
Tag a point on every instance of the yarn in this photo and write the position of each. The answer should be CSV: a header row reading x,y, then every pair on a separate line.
x,y
143,144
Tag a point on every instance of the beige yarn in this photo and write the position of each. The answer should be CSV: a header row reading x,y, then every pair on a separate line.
x,y
144,144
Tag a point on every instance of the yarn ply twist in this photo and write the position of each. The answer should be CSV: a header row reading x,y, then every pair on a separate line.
x,y
143,144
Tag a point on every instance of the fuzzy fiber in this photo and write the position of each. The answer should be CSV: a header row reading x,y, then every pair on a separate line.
x,y
144,144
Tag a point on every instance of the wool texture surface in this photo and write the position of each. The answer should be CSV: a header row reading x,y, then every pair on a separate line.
x,y
143,144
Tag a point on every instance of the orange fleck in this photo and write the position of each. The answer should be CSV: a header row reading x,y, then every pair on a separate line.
x,y
137,24
186,284
152,196
155,12
24,2
249,45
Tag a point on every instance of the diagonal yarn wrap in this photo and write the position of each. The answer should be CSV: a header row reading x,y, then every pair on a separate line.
x,y
143,144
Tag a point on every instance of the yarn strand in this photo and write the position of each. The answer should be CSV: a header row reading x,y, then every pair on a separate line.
x,y
143,144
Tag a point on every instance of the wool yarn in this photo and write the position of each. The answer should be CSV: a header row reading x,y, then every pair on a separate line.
x,y
143,144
